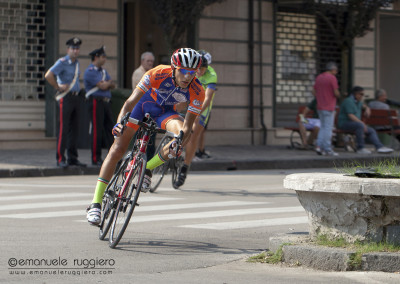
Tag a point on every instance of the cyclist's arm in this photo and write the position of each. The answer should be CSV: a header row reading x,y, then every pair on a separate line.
x,y
208,98
187,127
130,103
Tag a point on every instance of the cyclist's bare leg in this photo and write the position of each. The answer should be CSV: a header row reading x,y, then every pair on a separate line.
x,y
187,140
116,152
193,143
174,125
202,143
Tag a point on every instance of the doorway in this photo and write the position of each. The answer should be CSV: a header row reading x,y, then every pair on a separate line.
x,y
388,50
141,34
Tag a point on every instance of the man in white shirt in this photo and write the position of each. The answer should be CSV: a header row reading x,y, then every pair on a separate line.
x,y
146,63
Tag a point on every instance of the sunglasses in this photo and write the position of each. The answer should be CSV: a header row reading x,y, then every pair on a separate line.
x,y
185,71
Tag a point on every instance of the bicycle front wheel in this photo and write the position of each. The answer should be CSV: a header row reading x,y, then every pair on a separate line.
x,y
159,172
126,203
176,169
109,199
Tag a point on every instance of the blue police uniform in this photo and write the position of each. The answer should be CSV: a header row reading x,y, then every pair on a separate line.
x,y
92,76
64,69
68,108
99,109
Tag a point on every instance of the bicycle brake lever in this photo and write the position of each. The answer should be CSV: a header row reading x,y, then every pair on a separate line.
x,y
179,142
123,122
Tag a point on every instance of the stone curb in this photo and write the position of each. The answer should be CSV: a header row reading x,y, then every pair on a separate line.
x,y
206,165
298,251
46,172
381,261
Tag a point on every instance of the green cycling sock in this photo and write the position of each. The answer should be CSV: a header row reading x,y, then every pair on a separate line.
x,y
155,162
100,189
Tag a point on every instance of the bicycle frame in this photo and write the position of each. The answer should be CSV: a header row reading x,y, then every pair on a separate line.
x,y
144,141
125,183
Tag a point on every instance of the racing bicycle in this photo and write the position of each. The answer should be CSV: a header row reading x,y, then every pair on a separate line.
x,y
122,193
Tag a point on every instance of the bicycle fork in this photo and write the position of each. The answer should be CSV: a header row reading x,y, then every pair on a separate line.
x,y
142,151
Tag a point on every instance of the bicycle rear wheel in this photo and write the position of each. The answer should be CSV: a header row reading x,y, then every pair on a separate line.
x,y
159,172
176,169
126,203
109,199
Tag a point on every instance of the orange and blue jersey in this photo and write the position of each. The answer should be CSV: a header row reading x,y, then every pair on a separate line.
x,y
161,94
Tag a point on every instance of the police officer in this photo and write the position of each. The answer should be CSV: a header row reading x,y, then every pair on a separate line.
x,y
64,77
98,85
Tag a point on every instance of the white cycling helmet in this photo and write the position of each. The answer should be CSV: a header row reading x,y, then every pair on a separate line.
x,y
186,58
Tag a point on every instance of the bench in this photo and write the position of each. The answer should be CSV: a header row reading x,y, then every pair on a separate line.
x,y
385,121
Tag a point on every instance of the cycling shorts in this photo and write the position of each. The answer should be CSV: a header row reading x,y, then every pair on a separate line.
x,y
160,114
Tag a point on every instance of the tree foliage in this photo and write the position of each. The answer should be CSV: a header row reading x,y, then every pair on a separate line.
x,y
177,18
347,19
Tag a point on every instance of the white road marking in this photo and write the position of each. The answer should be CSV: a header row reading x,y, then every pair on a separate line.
x,y
57,204
197,205
250,223
74,194
53,204
219,213
45,196
165,217
8,191
46,185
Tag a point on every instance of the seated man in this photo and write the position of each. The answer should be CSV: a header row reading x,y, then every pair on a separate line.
x,y
381,101
313,124
350,120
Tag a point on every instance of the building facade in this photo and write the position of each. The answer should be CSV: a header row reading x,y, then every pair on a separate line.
x,y
266,55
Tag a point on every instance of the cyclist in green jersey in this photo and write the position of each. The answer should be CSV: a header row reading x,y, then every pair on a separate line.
x,y
208,78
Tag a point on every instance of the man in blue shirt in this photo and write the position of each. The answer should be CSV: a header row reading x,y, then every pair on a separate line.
x,y
98,85
63,76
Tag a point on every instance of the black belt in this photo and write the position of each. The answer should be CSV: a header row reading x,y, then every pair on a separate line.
x,y
74,93
104,99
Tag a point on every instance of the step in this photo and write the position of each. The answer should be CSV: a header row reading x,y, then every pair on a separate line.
x,y
19,115
35,143
22,134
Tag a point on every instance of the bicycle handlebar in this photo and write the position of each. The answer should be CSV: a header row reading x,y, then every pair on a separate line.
x,y
150,125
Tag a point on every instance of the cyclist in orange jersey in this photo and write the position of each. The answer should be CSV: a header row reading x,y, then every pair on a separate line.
x,y
158,91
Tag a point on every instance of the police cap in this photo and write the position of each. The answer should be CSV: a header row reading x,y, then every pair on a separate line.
x,y
98,52
74,42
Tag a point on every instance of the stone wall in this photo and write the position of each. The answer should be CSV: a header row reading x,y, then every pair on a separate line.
x,y
96,24
22,49
364,63
224,32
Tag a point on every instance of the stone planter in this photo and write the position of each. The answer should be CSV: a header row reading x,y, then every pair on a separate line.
x,y
350,207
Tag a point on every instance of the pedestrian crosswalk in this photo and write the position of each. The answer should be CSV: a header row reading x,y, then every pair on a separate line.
x,y
235,213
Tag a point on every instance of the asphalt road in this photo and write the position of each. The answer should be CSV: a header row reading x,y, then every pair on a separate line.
x,y
202,233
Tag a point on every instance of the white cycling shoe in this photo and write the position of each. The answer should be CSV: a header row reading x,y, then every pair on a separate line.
x,y
94,214
146,181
